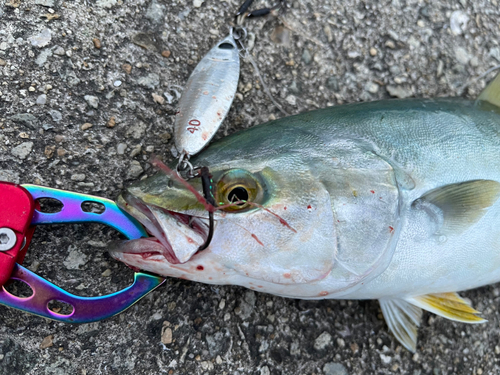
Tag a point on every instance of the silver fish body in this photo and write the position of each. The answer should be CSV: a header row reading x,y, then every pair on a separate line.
x,y
392,200
207,97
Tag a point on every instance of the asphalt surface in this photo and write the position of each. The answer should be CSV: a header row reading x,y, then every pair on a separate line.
x,y
77,112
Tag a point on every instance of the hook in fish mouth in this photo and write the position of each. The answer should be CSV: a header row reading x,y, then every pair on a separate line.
x,y
175,236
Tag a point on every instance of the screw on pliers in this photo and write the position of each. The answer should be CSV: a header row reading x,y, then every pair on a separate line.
x,y
20,213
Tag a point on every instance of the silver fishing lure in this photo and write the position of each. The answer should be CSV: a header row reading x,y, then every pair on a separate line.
x,y
207,98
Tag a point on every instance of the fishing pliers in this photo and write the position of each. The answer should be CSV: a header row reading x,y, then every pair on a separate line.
x,y
19,214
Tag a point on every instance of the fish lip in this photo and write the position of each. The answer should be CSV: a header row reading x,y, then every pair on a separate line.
x,y
141,211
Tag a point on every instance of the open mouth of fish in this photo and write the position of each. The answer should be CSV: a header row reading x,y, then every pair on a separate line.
x,y
175,236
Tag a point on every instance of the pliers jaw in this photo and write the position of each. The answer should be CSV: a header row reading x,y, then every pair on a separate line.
x,y
19,214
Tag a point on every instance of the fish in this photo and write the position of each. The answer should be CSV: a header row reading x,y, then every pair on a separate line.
x,y
394,200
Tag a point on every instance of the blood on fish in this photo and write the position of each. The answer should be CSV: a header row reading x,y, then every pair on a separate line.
x,y
282,221
372,191
391,229
323,293
200,268
287,275
309,207
256,239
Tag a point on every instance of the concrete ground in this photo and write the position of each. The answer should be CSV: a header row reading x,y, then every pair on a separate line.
x,y
88,91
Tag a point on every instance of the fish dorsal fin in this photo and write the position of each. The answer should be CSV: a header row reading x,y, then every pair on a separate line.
x,y
448,305
458,206
491,96
403,320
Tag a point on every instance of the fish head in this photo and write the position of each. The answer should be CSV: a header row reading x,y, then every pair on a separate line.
x,y
285,223
275,232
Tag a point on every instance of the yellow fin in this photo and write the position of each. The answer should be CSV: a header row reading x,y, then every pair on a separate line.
x,y
459,205
448,305
491,94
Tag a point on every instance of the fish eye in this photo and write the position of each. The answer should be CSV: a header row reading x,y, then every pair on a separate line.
x,y
238,194
237,188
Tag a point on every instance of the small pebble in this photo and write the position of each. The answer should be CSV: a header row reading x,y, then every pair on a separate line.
x,y
135,170
291,99
111,123
166,335
117,83
166,53
41,100
373,51
92,101
458,22
97,43
398,91
107,273
333,368
59,51
372,87
61,152
385,359
136,151
2,62
248,86
47,342
22,151
150,148
49,151
198,3
120,148
306,57
127,68
158,98
86,126
31,89
78,177
390,44
42,39
56,115
322,341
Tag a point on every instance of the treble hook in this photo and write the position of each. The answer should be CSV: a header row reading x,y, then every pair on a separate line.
x,y
258,12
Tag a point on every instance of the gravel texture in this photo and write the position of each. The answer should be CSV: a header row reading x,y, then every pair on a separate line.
x,y
88,92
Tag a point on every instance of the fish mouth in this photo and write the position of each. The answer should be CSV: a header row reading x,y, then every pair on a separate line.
x,y
176,236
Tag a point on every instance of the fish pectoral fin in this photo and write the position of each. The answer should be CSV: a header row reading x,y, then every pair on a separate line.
x,y
448,305
459,205
490,95
403,319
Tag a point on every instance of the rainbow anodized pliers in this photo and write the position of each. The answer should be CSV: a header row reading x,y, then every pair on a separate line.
x,y
20,213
